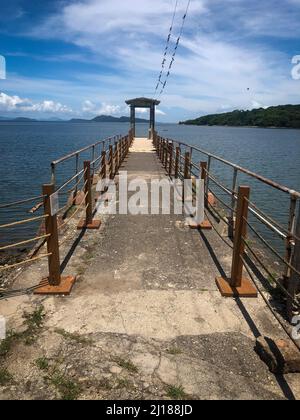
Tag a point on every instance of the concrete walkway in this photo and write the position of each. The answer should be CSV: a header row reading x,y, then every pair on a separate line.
x,y
145,318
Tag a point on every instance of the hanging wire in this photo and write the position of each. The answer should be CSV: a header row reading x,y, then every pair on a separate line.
x,y
166,49
175,49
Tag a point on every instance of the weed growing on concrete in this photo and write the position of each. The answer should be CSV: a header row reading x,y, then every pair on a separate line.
x,y
73,337
126,364
42,363
176,392
5,377
68,389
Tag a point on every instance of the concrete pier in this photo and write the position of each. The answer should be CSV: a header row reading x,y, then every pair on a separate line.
x,y
145,318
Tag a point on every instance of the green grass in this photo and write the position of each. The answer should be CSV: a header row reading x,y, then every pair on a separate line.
x,y
5,377
105,384
67,388
34,322
6,344
174,351
73,337
126,364
176,392
124,383
42,363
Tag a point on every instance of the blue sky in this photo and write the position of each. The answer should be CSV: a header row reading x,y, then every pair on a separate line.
x,y
83,58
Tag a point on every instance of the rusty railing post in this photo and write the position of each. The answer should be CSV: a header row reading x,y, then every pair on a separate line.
x,y
111,162
116,157
177,162
77,178
186,174
171,148
52,242
289,239
240,233
233,205
56,284
167,155
204,176
239,286
294,281
187,166
88,193
103,165
88,222
162,150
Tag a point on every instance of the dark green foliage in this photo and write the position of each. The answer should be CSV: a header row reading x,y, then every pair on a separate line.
x,y
286,116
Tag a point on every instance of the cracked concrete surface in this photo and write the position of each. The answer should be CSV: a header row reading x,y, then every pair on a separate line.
x,y
144,315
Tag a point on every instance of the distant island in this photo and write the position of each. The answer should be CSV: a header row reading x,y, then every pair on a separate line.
x,y
100,119
285,116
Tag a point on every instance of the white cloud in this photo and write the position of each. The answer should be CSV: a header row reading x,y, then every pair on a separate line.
x,y
223,62
15,103
90,107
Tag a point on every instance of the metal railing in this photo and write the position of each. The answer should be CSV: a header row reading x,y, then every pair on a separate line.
x,y
178,159
106,158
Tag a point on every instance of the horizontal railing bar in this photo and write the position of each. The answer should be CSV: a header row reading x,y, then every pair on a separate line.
x,y
268,272
84,149
267,223
243,170
30,260
260,237
73,178
16,203
217,232
22,222
225,189
28,241
252,205
221,201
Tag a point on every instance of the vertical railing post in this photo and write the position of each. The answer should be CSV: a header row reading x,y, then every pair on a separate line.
x,y
187,166
56,284
88,192
116,158
52,241
289,239
294,281
77,178
88,222
53,174
204,176
237,285
167,154
233,206
240,233
171,148
186,174
103,165
93,158
162,150
177,162
111,162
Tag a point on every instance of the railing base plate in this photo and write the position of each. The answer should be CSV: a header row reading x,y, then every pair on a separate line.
x,y
64,288
206,225
95,225
246,290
